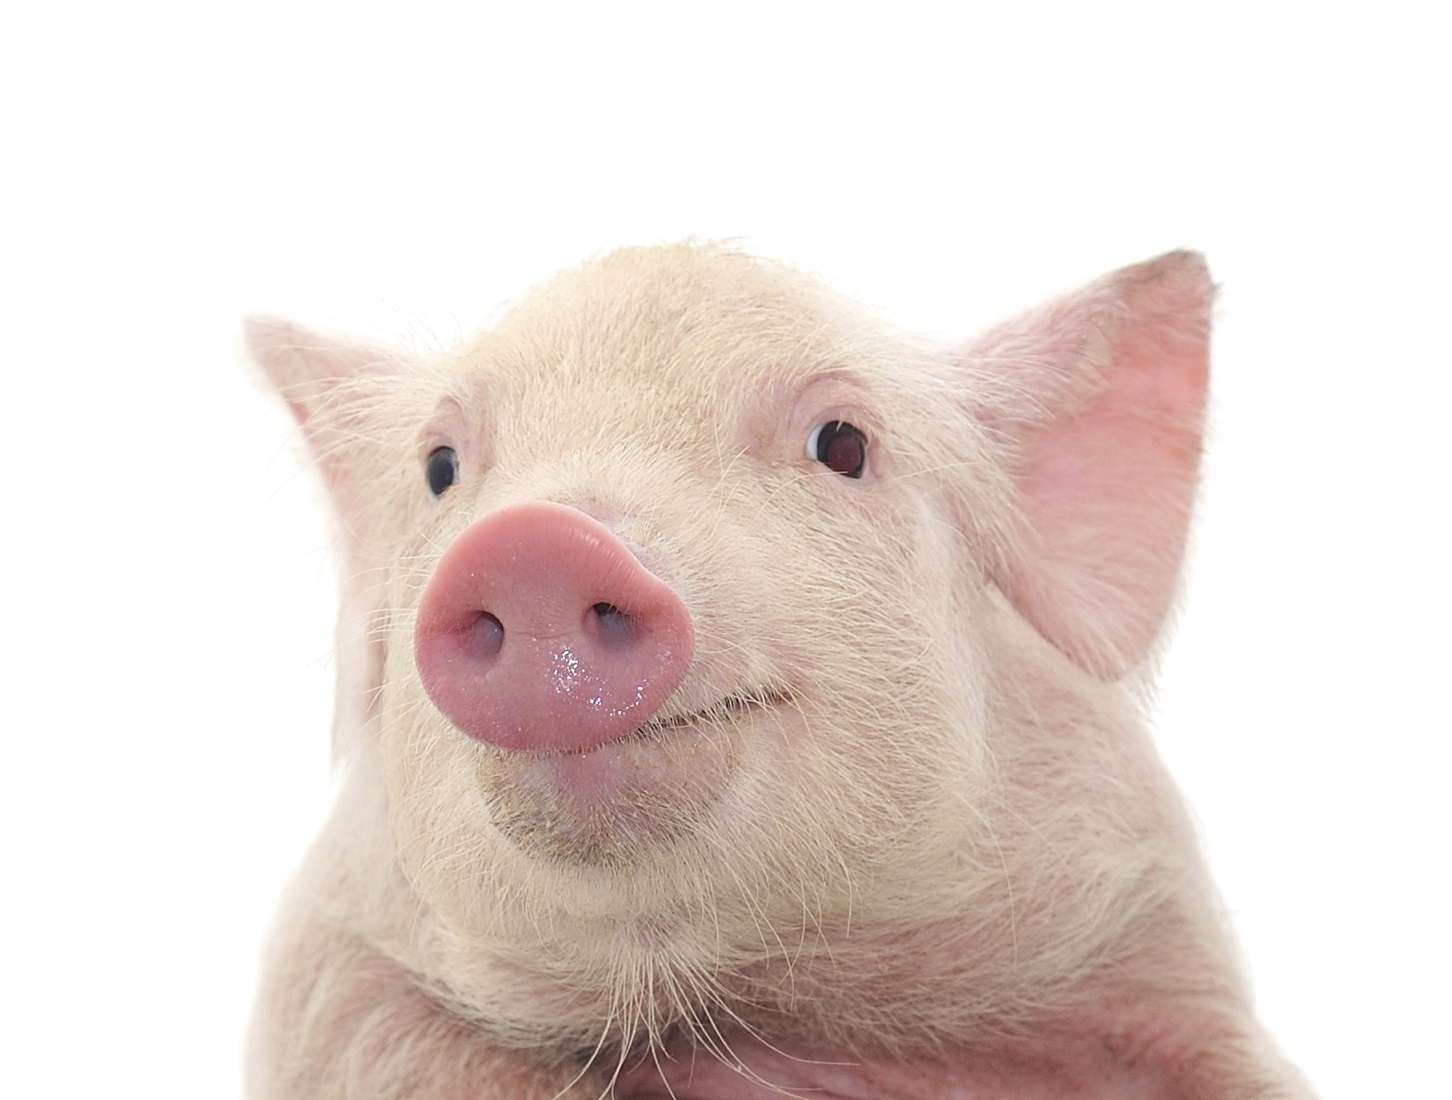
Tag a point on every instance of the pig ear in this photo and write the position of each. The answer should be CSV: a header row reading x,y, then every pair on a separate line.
x,y
306,367
1112,385
324,382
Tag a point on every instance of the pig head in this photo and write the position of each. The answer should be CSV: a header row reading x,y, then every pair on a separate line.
x,y
738,698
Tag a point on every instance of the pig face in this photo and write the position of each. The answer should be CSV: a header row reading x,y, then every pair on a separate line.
x,y
716,662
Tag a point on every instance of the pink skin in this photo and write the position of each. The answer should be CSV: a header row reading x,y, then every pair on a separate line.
x,y
936,859
541,631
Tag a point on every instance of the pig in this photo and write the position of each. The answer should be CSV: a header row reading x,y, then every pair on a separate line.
x,y
738,697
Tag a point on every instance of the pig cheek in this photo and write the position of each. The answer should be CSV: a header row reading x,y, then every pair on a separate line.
x,y
440,824
894,705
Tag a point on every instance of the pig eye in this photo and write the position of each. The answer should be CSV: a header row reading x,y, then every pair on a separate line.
x,y
839,446
441,470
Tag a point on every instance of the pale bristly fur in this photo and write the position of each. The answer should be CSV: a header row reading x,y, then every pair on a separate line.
x,y
945,839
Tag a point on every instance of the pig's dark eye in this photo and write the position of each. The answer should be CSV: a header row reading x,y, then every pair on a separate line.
x,y
441,470
839,446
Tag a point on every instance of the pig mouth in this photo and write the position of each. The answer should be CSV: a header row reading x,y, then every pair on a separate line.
x,y
614,803
729,710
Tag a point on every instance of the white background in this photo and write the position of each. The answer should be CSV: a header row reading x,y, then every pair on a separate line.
x,y
166,605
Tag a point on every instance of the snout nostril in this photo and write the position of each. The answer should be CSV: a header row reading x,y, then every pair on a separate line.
x,y
486,636
541,631
617,628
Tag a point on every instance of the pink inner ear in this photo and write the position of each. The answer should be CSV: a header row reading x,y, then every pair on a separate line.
x,y
1108,483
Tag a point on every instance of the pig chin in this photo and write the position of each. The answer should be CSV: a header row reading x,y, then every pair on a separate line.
x,y
610,805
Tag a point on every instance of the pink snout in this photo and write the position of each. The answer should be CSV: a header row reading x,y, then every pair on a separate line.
x,y
541,631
